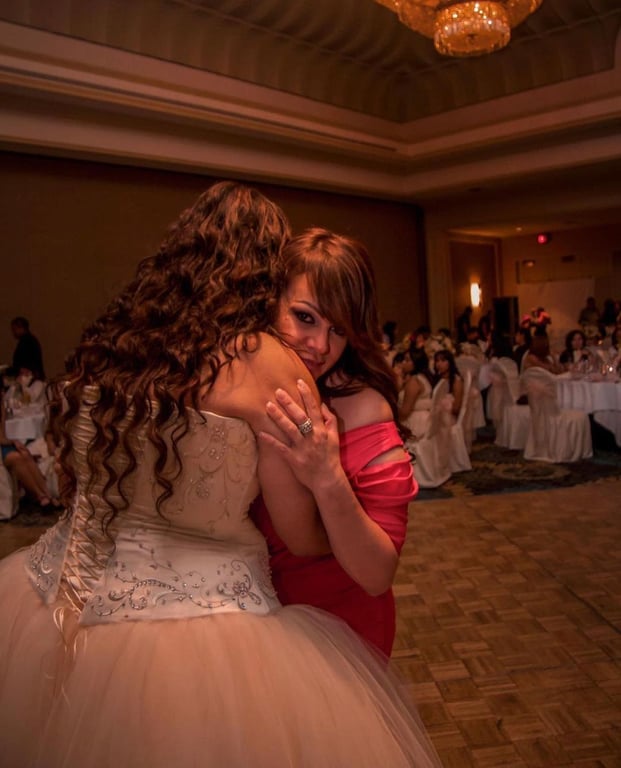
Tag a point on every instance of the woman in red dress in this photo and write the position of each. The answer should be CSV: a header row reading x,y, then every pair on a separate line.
x,y
350,454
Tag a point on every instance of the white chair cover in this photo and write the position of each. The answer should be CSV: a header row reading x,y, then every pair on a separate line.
x,y
9,497
467,363
511,421
461,431
555,435
477,419
431,452
510,368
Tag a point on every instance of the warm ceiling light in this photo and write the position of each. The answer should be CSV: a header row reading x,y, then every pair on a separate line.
x,y
461,28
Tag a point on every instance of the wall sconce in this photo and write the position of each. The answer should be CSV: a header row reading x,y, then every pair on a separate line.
x,y
475,294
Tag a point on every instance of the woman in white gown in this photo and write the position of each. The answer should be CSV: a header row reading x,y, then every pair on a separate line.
x,y
143,628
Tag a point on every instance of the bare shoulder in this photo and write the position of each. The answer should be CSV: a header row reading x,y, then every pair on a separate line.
x,y
365,407
248,381
271,362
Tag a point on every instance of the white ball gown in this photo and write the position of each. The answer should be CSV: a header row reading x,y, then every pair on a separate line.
x,y
162,643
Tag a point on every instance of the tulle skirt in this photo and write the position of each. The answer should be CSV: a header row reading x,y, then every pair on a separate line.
x,y
295,688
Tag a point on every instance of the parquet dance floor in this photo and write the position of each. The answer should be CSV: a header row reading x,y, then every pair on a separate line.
x,y
509,625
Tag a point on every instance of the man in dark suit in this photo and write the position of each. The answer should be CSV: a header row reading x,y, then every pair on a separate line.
x,y
27,352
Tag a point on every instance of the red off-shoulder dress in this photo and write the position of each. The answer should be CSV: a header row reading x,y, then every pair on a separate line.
x,y
384,490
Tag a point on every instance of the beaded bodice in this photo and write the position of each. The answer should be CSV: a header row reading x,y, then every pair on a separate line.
x,y
199,555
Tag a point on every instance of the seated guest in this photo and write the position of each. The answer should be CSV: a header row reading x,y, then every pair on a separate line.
x,y
612,356
500,346
522,345
445,335
608,317
402,366
437,341
589,314
419,337
22,466
541,320
27,389
415,396
445,368
389,334
473,346
589,320
575,352
539,355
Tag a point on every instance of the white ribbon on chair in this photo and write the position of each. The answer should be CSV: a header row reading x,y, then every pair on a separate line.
x,y
497,396
556,435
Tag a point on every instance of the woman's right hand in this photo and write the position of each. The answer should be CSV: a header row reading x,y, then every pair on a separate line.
x,y
314,457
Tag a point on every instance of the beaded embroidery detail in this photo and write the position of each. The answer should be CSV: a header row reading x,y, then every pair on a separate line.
x,y
45,559
202,555
234,583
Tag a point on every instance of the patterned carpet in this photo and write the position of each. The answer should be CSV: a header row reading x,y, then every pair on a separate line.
x,y
499,470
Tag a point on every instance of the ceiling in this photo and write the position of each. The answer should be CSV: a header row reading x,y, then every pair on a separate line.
x,y
369,104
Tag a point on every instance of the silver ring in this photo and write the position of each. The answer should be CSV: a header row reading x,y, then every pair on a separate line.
x,y
306,427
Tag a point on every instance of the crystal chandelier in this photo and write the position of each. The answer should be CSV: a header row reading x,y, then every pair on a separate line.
x,y
463,27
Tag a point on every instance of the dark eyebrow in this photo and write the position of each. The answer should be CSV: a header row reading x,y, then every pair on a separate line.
x,y
312,306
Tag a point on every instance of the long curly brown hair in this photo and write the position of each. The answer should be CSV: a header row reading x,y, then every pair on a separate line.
x,y
340,274
161,343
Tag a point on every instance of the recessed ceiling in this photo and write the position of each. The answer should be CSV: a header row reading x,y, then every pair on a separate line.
x,y
355,55
351,53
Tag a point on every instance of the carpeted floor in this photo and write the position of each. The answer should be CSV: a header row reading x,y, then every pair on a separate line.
x,y
499,470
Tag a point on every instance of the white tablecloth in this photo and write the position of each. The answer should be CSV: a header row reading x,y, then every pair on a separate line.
x,y
601,398
27,423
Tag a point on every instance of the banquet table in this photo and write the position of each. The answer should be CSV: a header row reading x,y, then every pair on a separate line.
x,y
26,423
594,394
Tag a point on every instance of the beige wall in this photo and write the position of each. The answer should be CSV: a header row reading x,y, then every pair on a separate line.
x,y
571,254
473,261
73,232
575,263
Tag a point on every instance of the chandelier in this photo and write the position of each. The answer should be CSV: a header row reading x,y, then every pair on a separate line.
x,y
463,27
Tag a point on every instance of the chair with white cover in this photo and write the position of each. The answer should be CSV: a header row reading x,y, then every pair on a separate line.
x,y
9,497
477,409
431,452
511,421
509,369
468,364
462,430
555,435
